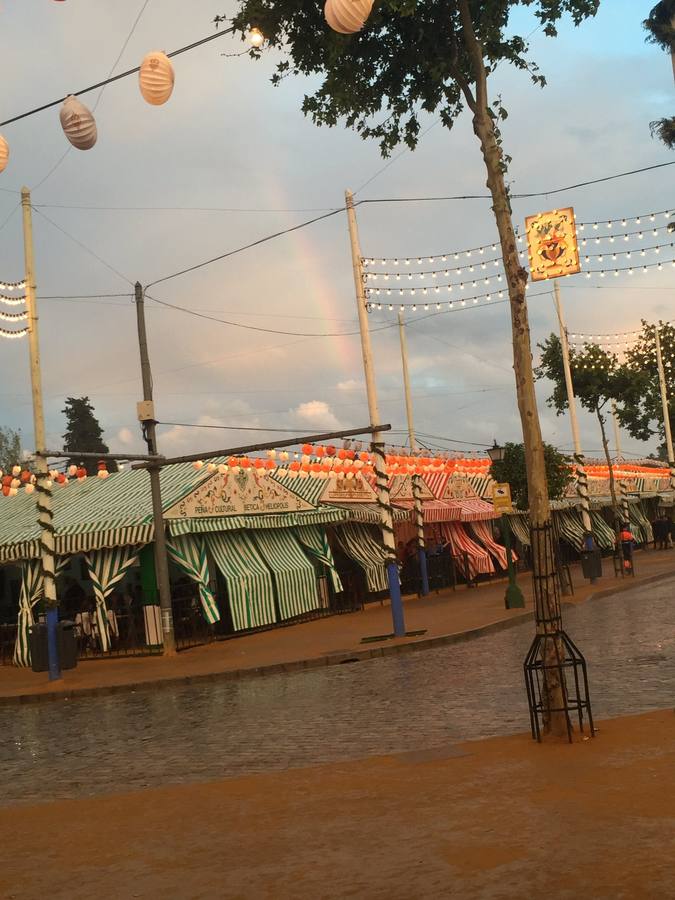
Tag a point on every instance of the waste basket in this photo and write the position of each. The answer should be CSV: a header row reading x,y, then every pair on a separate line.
x,y
591,564
37,639
65,642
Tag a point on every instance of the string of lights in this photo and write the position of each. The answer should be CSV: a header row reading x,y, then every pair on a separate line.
x,y
13,335
12,285
449,288
13,317
12,301
582,226
483,265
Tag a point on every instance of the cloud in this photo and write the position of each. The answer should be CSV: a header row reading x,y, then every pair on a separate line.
x,y
126,437
316,414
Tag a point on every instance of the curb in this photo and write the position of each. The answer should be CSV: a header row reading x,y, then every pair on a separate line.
x,y
330,659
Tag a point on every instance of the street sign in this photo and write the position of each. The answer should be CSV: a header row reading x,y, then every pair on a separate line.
x,y
501,497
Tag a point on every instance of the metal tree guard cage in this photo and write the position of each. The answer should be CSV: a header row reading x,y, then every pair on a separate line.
x,y
553,658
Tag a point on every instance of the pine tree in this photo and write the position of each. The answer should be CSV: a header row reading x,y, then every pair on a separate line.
x,y
84,434
10,448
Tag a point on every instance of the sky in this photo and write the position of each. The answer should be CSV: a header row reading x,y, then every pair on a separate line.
x,y
133,208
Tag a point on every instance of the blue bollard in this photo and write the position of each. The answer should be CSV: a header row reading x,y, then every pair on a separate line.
x,y
396,601
52,617
424,574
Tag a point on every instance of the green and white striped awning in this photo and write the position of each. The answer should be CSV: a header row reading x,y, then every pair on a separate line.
x,y
360,543
294,575
249,581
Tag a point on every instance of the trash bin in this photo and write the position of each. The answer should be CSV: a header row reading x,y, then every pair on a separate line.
x,y
65,642
591,564
37,639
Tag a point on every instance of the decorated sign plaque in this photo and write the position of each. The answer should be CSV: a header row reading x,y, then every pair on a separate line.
x,y
401,488
552,244
348,490
243,494
458,488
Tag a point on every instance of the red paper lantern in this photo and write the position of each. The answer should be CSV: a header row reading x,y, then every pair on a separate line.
x,y
294,466
270,464
307,449
330,450
6,489
320,451
245,462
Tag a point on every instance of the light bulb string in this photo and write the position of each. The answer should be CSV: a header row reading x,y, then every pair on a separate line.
x,y
496,261
13,317
451,286
12,335
12,301
581,226
12,285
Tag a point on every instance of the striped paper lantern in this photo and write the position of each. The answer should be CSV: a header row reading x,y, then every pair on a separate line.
x,y
347,16
4,153
78,124
156,78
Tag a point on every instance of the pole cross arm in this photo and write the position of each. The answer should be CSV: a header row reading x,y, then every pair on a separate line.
x,y
124,457
270,445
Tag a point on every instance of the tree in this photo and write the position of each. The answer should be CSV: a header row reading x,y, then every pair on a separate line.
x,y
512,469
84,434
660,28
597,379
435,56
641,411
10,449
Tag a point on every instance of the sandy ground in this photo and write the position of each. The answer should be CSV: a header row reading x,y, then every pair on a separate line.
x,y
504,818
321,641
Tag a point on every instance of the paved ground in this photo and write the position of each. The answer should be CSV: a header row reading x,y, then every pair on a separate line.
x,y
86,746
495,820
317,643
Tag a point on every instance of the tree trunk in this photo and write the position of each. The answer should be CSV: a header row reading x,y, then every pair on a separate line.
x,y
612,486
540,514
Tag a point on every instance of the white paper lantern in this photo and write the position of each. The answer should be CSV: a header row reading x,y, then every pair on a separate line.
x,y
4,153
156,78
197,464
78,124
347,16
29,488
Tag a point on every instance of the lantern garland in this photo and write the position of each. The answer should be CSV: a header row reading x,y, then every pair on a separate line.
x,y
19,477
4,153
156,78
347,16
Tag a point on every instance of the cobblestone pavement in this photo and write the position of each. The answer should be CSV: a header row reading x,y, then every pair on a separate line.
x,y
474,690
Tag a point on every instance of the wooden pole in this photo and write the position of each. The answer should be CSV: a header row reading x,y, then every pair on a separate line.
x,y
416,479
582,478
43,485
664,405
382,481
149,433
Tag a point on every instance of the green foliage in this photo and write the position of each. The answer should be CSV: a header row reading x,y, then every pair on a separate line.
x,y
84,434
658,25
408,59
641,412
664,130
10,449
512,469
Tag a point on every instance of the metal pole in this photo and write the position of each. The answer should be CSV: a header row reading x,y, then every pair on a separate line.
x,y
664,404
416,479
44,485
161,559
382,481
582,478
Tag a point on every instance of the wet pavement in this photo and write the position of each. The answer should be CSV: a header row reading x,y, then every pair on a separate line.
x,y
466,691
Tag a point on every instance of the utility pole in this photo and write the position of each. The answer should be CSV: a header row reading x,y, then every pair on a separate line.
x,y
146,415
43,485
381,478
582,478
664,404
416,479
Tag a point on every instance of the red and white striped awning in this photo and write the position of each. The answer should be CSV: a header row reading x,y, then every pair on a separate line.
x,y
473,510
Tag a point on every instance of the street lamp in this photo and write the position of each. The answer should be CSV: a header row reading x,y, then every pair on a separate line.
x,y
513,598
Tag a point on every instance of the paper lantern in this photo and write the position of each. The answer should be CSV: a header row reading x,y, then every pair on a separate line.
x,y
6,489
15,483
156,78
78,124
29,488
347,16
222,469
197,464
4,153
103,473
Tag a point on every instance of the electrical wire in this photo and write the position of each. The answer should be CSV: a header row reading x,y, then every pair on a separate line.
x,y
229,427
113,78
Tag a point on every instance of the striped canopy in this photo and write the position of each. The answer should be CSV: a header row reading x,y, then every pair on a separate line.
x,y
29,595
478,560
294,575
484,534
315,542
189,554
249,581
359,542
107,567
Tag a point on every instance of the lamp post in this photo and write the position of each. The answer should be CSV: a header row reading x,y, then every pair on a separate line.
x,y
513,598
